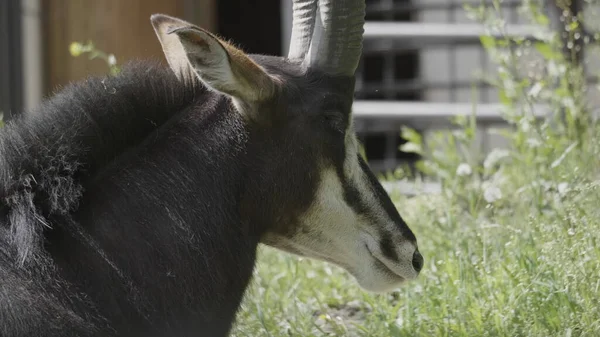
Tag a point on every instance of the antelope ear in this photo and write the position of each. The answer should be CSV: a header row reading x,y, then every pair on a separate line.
x,y
171,46
193,51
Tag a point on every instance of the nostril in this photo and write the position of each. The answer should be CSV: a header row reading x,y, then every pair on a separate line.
x,y
417,261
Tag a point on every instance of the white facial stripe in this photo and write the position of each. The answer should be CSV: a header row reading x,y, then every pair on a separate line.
x,y
331,215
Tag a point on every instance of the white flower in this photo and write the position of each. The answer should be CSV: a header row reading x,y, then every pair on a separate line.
x,y
495,156
399,321
492,193
563,188
463,170
112,60
535,90
525,125
556,70
533,142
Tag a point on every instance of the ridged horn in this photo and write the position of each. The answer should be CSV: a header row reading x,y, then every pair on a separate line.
x,y
303,23
336,45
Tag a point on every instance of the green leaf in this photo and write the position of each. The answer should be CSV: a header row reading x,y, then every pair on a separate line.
x,y
487,41
411,135
411,148
542,19
573,26
563,155
546,51
503,97
394,330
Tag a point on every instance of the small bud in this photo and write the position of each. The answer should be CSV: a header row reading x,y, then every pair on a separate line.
x,y
75,49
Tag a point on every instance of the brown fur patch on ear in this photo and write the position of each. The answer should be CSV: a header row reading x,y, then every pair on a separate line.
x,y
250,73
245,69
193,35
248,80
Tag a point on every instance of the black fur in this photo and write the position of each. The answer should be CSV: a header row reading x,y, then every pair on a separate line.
x,y
133,205
119,207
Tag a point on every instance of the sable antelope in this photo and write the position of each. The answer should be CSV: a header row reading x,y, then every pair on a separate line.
x,y
133,205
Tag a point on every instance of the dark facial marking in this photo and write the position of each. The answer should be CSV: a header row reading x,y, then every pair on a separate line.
x,y
386,202
387,247
383,268
351,193
353,198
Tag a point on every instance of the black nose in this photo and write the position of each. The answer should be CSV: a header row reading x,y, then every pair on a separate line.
x,y
417,261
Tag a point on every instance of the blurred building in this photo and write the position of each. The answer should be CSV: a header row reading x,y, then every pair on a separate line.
x,y
426,62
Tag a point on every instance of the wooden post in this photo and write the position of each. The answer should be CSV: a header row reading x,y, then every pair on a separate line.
x,y
115,26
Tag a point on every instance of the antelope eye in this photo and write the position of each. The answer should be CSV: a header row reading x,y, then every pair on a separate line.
x,y
334,120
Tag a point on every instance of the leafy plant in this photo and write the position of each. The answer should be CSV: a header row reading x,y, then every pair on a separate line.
x,y
77,49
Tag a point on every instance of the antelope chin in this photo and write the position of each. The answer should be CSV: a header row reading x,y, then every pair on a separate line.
x,y
380,285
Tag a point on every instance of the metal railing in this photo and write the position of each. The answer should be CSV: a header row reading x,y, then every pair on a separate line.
x,y
441,88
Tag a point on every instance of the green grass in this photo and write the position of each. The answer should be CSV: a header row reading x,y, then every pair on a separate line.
x,y
511,245
527,264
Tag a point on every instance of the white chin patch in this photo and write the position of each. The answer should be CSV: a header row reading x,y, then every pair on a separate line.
x,y
379,284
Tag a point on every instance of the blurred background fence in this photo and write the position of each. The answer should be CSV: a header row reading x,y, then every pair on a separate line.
x,y
423,61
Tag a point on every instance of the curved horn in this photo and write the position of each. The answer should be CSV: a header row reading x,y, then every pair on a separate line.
x,y
336,46
303,24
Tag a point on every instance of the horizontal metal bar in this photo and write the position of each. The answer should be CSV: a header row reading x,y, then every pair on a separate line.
x,y
396,110
401,86
439,33
409,86
397,8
